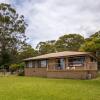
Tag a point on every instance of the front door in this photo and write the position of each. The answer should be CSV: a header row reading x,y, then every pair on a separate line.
x,y
60,64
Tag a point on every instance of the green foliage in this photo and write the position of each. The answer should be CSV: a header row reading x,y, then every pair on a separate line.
x,y
70,42
64,43
46,47
5,58
12,33
21,65
14,67
17,67
27,52
21,69
92,44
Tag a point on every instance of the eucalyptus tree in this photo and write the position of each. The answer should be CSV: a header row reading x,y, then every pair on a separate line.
x,y
12,33
69,42
92,44
46,47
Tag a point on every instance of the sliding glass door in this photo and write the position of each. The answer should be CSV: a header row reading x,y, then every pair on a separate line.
x,y
60,63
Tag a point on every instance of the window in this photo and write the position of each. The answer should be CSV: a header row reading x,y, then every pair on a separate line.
x,y
33,64
30,65
42,63
76,61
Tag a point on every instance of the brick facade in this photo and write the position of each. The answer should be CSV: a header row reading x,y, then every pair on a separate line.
x,y
35,72
72,74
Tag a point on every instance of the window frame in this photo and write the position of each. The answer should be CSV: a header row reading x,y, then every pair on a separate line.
x,y
40,63
76,62
30,63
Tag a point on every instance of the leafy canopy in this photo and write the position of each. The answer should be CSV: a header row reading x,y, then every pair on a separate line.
x,y
70,42
92,44
12,33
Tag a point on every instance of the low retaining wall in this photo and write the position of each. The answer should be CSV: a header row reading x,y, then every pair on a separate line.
x,y
35,72
72,74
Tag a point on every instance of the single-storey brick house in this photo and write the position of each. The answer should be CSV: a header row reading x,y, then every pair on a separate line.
x,y
67,64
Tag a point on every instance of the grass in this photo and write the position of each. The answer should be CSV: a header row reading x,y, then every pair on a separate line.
x,y
33,88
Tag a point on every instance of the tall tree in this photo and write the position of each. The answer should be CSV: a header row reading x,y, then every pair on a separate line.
x,y
46,47
92,44
12,32
27,52
69,42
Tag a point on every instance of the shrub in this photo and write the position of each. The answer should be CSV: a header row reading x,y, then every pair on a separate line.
x,y
13,68
21,72
17,67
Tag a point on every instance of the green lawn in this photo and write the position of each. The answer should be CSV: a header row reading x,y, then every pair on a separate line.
x,y
32,88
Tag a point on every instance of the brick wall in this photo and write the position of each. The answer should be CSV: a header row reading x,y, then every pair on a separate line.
x,y
36,72
72,74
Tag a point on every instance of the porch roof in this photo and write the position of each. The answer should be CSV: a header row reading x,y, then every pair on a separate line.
x,y
59,54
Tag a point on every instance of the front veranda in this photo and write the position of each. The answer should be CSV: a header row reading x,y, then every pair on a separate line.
x,y
63,67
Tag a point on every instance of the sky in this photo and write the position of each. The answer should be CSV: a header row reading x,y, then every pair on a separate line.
x,y
50,19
